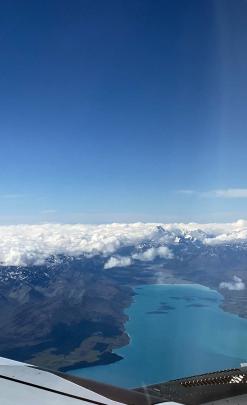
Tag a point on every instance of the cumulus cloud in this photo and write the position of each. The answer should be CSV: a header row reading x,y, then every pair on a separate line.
x,y
118,261
236,285
25,245
152,253
145,256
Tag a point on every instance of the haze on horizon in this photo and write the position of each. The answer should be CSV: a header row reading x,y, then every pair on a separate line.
x,y
123,111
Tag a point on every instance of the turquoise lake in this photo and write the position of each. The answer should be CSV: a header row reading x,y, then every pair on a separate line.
x,y
175,331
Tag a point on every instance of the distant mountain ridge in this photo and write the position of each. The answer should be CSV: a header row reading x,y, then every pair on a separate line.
x,y
27,245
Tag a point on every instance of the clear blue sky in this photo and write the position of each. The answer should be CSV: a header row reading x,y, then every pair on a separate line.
x,y
123,110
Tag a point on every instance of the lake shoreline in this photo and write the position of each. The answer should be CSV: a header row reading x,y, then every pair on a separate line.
x,y
202,305
112,357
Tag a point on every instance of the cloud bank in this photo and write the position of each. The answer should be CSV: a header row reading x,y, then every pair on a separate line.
x,y
25,245
236,285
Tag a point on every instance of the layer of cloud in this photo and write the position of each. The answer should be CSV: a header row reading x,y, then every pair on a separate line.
x,y
236,285
218,193
24,245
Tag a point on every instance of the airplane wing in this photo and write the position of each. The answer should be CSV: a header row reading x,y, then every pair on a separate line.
x,y
25,384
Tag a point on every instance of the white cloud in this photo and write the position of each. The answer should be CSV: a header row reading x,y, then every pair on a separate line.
x,y
232,193
118,261
218,193
145,256
236,285
23,245
153,252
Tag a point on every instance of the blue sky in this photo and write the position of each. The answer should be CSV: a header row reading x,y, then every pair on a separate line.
x,y
123,111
